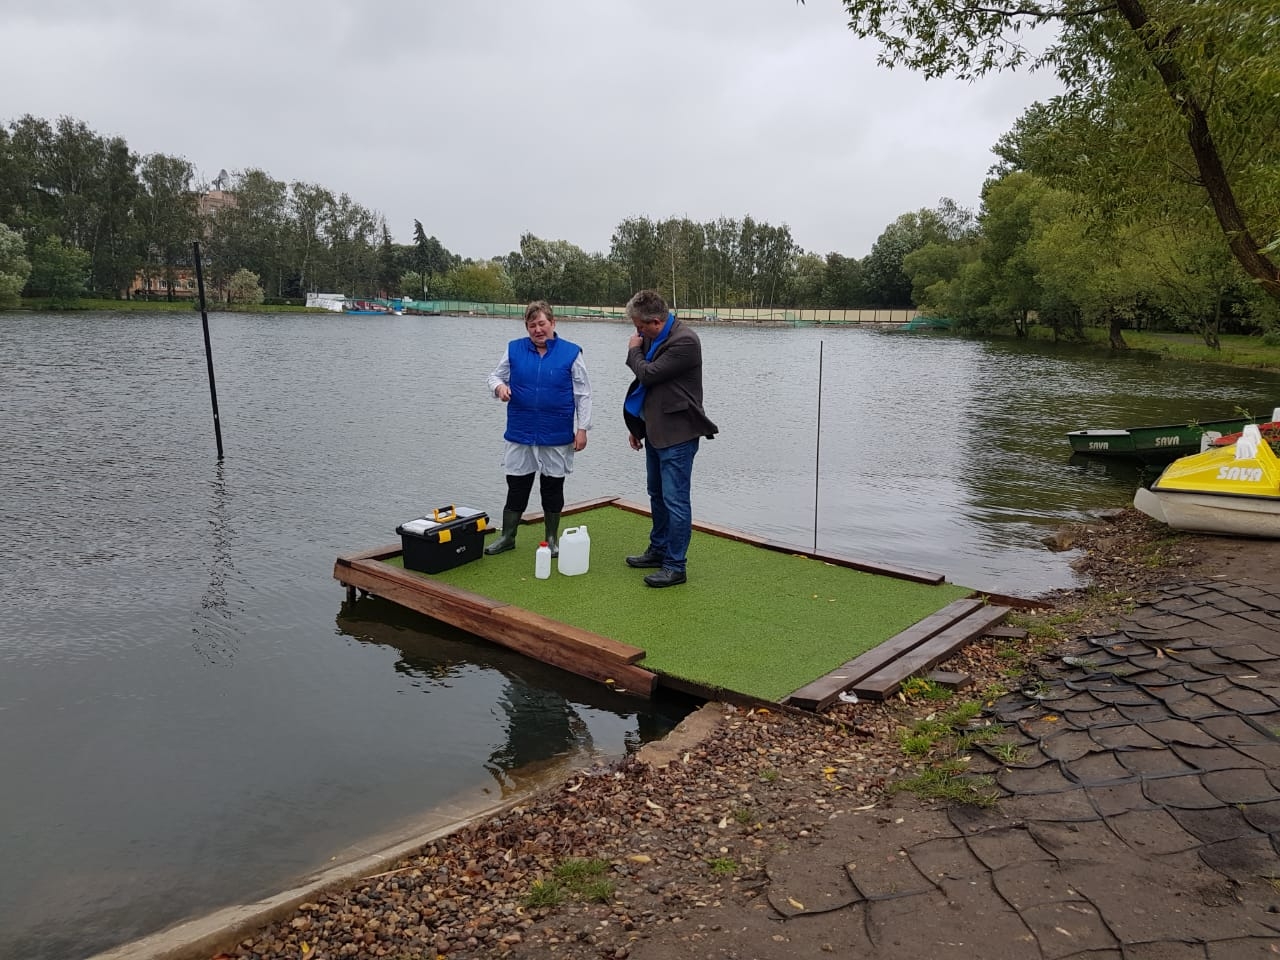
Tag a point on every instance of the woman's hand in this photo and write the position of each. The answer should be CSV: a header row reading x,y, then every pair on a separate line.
x,y
579,441
502,392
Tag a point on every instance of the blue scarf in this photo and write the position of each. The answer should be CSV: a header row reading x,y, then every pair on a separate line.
x,y
634,403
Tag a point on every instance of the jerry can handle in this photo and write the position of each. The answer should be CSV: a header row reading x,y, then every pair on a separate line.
x,y
445,514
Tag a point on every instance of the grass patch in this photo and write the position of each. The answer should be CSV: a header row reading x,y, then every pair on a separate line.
x,y
922,688
947,782
770,775
948,737
1006,753
1038,628
544,893
723,866
581,879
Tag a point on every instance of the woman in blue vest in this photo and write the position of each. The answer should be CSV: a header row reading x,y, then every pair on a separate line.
x,y
544,383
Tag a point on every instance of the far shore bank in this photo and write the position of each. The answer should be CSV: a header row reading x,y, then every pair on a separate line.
x,y
1236,350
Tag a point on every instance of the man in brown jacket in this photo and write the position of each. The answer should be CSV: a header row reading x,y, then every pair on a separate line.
x,y
664,408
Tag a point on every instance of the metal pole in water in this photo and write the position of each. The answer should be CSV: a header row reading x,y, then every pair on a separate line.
x,y
208,349
817,451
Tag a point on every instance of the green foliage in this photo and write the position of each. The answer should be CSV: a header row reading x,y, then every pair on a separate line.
x,y
583,879
486,282
243,287
723,866
58,271
948,783
1168,104
922,688
14,267
544,893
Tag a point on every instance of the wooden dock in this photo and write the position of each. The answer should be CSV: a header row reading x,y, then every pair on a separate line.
x,y
873,675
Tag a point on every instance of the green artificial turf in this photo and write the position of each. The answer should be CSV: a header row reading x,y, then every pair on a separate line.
x,y
749,620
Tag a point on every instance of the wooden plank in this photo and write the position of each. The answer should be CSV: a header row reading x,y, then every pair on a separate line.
x,y
1006,633
566,634
458,607
631,506
1017,603
883,569
563,646
728,533
820,693
377,553
577,651
884,682
951,679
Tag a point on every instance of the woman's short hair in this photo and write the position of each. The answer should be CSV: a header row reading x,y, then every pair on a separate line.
x,y
539,307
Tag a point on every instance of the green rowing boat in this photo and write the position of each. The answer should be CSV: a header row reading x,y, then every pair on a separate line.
x,y
1159,444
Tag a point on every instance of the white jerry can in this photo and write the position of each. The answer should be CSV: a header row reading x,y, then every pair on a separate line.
x,y
575,551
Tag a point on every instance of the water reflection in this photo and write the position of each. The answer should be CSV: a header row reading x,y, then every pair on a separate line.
x,y
546,716
1125,471
214,635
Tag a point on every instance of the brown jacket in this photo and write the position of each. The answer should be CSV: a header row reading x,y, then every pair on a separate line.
x,y
673,390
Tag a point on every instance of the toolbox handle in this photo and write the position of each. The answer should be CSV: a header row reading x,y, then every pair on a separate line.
x,y
445,514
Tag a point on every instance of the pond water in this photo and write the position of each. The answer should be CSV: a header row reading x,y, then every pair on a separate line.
x,y
190,713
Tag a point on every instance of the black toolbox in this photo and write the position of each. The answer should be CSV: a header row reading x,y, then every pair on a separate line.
x,y
448,538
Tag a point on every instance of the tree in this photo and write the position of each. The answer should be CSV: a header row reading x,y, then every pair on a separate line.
x,y
307,205
1007,219
58,271
430,257
843,284
166,217
806,285
14,267
244,287
483,282
1192,83
117,256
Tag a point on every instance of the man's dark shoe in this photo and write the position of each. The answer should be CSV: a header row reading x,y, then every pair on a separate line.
x,y
665,578
646,559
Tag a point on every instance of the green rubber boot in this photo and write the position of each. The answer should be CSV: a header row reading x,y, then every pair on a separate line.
x,y
507,540
551,524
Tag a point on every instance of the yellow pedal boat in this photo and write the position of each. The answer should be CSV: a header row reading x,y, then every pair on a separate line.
x,y
1232,490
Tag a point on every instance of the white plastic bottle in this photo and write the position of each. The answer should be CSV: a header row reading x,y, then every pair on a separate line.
x,y
575,551
542,561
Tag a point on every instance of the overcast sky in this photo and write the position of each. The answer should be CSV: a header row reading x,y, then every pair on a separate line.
x,y
489,118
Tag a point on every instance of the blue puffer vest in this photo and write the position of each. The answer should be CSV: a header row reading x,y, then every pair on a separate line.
x,y
540,412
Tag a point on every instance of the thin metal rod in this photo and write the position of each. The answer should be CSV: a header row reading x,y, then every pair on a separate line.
x,y
208,348
817,452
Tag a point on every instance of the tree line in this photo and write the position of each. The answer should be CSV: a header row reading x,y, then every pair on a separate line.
x,y
92,215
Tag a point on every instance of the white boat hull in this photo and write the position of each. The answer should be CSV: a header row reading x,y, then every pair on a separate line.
x,y
1237,516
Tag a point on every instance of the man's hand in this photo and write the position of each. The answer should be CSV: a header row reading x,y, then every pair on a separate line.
x,y
502,392
636,442
635,341
579,441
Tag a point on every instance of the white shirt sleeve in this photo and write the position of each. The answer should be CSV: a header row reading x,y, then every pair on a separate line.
x,y
501,373
581,393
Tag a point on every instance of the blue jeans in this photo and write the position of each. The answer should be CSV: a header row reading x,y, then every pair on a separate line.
x,y
670,472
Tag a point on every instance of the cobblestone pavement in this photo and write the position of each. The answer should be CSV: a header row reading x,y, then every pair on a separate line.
x,y
1139,817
